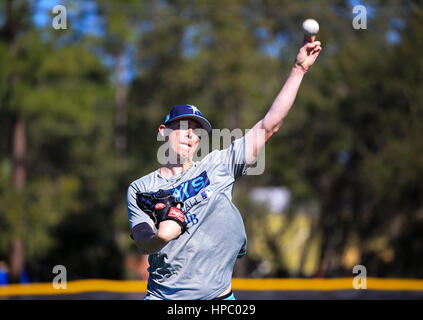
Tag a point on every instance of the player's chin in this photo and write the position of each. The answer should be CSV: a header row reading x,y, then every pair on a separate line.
x,y
183,149
183,156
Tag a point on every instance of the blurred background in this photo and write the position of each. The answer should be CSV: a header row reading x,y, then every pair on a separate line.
x,y
80,108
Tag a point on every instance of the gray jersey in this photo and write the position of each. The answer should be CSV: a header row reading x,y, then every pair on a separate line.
x,y
199,264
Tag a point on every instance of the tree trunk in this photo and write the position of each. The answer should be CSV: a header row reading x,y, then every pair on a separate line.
x,y
19,144
15,15
16,249
120,102
16,259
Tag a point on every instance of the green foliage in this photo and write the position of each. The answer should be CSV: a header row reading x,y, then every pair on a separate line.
x,y
32,215
62,94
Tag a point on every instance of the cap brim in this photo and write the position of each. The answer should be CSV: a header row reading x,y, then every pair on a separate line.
x,y
205,124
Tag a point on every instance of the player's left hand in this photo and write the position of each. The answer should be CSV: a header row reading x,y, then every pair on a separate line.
x,y
161,206
307,54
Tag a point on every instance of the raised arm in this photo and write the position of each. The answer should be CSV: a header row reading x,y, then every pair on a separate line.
x,y
270,124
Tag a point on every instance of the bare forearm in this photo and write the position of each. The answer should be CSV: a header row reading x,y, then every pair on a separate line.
x,y
270,124
284,101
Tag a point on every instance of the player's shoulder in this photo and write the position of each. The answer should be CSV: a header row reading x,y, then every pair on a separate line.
x,y
219,155
140,184
211,159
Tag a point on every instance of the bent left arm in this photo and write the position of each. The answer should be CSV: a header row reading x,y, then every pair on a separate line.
x,y
270,124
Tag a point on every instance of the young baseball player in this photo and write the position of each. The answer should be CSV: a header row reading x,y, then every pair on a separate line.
x,y
182,214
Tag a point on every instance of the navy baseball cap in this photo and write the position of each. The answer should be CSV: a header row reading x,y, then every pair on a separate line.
x,y
187,111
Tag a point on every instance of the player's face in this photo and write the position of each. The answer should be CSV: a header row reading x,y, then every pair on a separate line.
x,y
184,138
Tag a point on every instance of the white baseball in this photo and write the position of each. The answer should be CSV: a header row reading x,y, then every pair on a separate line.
x,y
310,27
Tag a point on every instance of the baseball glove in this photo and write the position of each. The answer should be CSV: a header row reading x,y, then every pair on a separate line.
x,y
160,206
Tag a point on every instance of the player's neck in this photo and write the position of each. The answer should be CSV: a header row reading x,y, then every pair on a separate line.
x,y
169,170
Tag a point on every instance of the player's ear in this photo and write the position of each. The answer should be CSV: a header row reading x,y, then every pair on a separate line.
x,y
162,130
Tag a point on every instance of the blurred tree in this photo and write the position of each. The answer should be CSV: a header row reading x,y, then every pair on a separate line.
x,y
122,26
51,97
13,25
